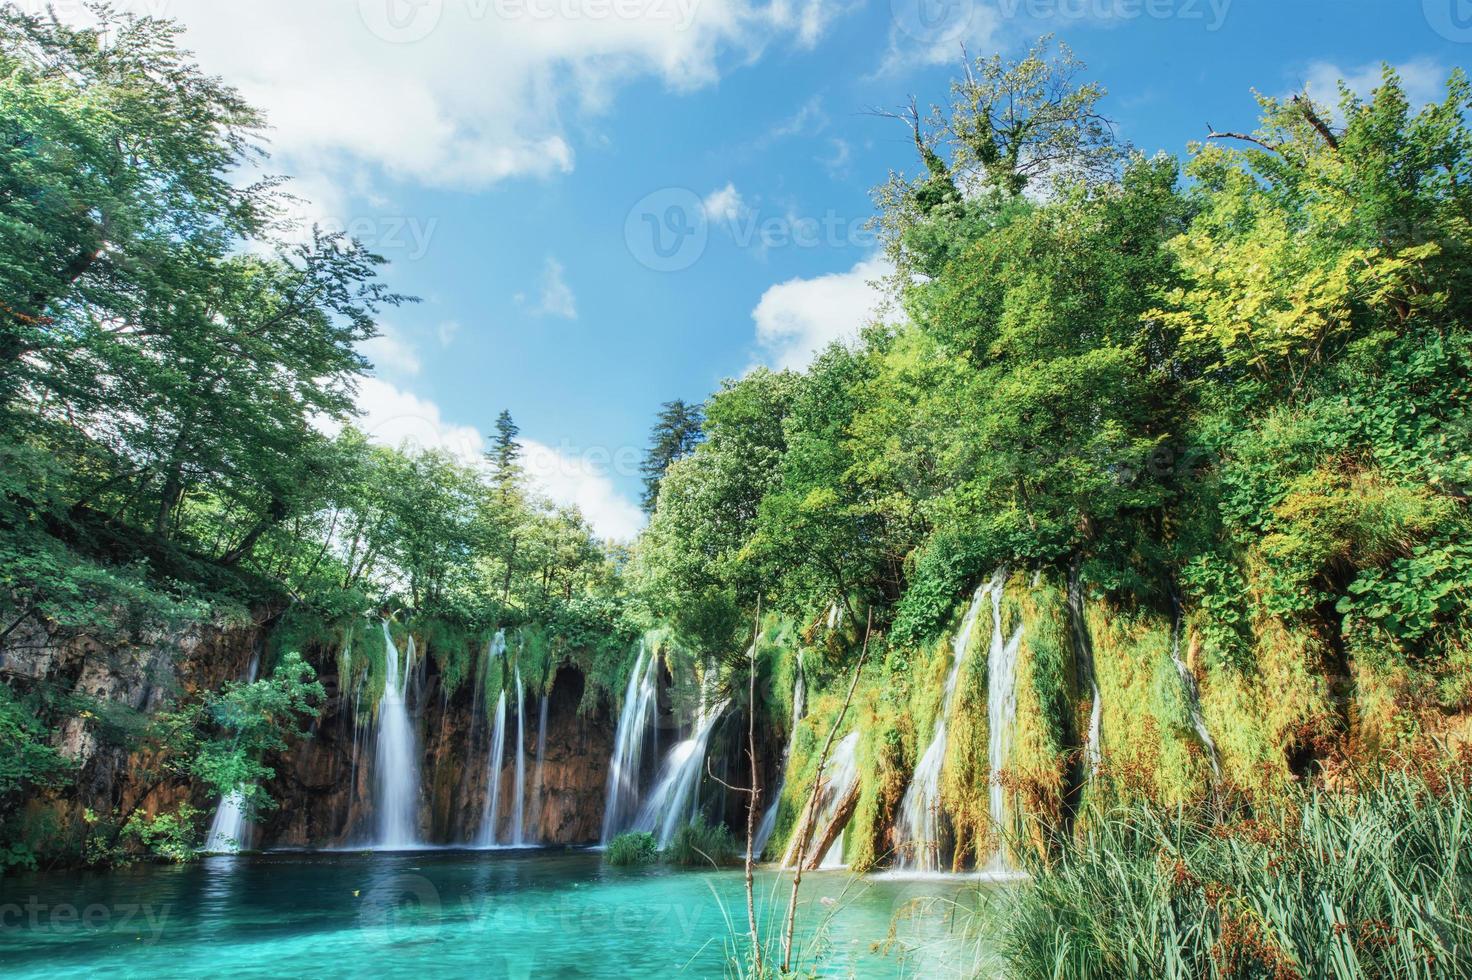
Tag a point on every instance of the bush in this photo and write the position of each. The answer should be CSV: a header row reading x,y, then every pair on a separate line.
x,y
634,848
699,843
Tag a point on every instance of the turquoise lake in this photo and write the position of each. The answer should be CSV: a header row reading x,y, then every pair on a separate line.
x,y
462,913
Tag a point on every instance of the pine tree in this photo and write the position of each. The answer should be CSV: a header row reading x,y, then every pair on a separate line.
x,y
674,436
505,457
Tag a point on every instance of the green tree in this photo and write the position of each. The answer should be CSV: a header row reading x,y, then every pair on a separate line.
x,y
674,436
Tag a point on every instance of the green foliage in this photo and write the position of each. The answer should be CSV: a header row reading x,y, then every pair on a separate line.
x,y
633,849
29,763
165,836
701,844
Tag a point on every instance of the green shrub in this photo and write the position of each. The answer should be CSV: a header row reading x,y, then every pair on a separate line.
x,y
634,848
698,843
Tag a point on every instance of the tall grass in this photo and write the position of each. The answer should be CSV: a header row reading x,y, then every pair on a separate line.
x,y
1365,881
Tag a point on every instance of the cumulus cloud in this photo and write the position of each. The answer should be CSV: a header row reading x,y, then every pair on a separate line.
x,y
1424,80
461,93
394,417
797,319
924,34
391,353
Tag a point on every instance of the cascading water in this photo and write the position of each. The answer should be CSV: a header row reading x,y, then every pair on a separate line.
x,y
541,758
518,824
628,745
487,836
673,801
228,829
1001,713
1083,652
799,708
839,776
1193,697
396,761
918,831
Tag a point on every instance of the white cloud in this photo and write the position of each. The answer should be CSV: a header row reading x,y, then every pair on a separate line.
x,y
1424,80
575,480
798,318
462,93
394,417
556,298
723,205
923,34
447,331
391,353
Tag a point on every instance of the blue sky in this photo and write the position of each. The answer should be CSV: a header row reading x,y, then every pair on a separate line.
x,y
515,158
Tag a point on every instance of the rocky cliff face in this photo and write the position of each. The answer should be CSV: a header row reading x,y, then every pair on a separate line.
x,y
113,685
324,785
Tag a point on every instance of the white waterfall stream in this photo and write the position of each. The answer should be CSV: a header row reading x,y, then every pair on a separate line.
x,y
1083,652
917,833
674,800
1192,694
396,760
628,746
537,784
768,824
496,759
1001,713
228,829
518,814
839,776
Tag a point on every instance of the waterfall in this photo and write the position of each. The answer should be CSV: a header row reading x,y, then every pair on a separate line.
x,y
396,762
1083,652
1001,713
541,758
673,801
628,745
228,829
493,776
839,777
799,709
917,833
518,825
1192,694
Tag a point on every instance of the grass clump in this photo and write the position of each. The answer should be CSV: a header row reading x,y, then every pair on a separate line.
x,y
700,843
633,849
1360,880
